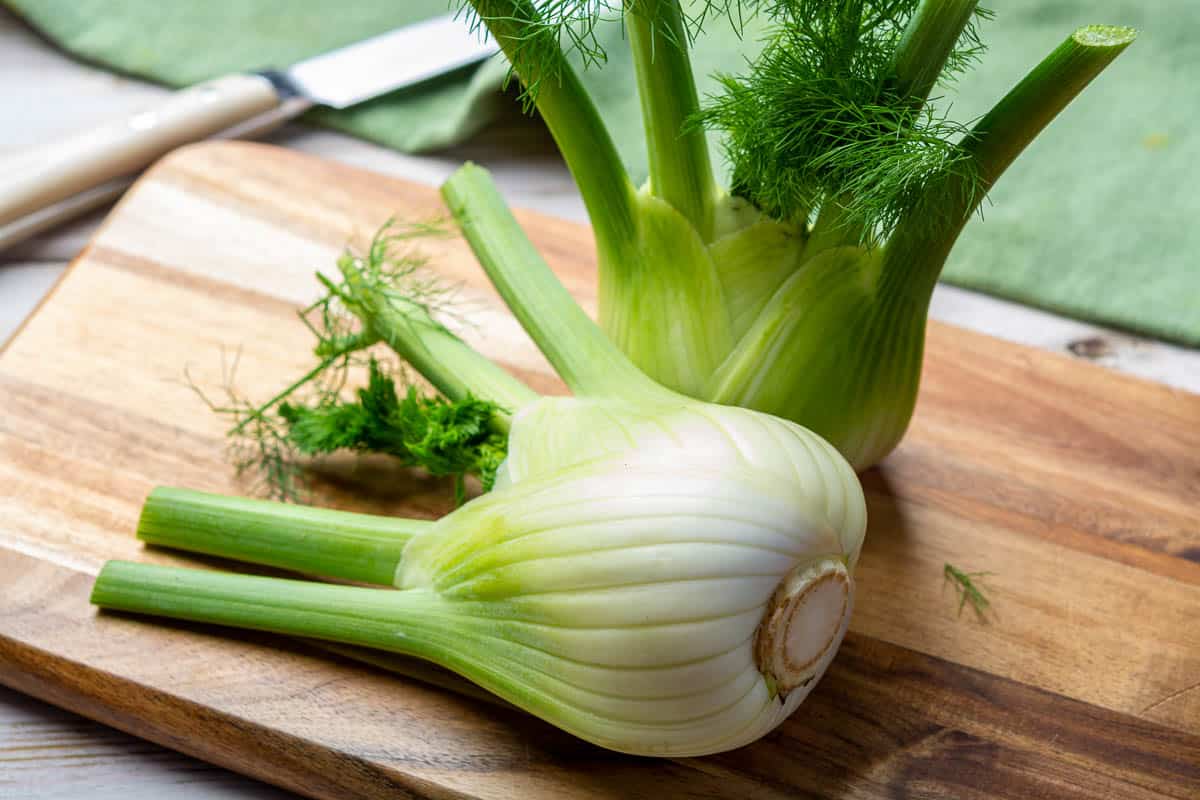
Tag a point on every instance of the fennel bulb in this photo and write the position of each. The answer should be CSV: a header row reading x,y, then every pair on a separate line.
x,y
675,597
670,579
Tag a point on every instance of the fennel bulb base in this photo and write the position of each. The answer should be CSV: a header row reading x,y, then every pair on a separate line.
x,y
805,619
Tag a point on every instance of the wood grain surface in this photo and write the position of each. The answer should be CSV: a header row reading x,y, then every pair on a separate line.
x,y
1078,489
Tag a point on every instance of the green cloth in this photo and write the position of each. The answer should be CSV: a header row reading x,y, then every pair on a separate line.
x,y
1099,219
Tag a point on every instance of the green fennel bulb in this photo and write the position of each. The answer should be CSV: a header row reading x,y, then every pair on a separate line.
x,y
803,287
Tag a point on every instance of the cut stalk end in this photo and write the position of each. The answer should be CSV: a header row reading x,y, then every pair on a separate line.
x,y
1105,35
805,621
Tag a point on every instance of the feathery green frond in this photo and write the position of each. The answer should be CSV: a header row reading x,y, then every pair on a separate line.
x,y
818,120
539,37
445,437
970,48
313,416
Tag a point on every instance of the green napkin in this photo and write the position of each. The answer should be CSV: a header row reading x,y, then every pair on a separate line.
x,y
1100,219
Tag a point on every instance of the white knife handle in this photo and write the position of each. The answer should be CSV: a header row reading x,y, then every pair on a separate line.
x,y
65,168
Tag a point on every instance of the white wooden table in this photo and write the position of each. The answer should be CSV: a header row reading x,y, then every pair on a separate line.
x,y
49,753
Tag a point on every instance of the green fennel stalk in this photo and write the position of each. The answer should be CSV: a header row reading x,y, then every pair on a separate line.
x,y
681,170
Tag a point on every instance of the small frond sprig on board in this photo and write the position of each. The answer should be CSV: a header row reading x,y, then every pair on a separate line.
x,y
395,272
259,451
968,590
272,443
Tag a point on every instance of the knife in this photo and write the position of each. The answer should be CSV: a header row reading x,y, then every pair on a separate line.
x,y
95,162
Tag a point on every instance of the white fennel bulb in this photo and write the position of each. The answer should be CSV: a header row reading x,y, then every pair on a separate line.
x,y
665,578
677,597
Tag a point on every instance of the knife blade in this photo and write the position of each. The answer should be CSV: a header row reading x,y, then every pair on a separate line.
x,y
405,57
51,175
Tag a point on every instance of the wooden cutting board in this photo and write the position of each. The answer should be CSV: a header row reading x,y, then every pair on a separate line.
x,y
1077,489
